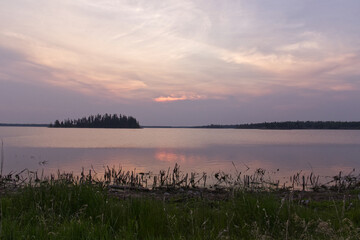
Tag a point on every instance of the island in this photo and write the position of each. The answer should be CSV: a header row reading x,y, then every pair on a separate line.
x,y
98,121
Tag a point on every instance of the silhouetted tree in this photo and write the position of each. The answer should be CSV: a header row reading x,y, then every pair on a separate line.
x,y
292,125
302,125
99,121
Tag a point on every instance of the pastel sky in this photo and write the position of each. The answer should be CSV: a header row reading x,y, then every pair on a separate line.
x,y
180,62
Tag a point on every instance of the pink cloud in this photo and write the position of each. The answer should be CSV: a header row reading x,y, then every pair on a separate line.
x,y
172,98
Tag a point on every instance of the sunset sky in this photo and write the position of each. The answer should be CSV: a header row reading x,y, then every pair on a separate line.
x,y
180,62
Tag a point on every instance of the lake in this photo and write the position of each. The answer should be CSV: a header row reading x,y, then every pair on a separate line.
x,y
280,152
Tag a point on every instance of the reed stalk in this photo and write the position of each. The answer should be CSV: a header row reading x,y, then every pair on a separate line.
x,y
2,158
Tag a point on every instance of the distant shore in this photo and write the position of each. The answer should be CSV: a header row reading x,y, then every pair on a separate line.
x,y
22,125
287,125
293,125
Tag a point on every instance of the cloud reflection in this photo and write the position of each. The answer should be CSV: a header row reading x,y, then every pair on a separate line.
x,y
280,162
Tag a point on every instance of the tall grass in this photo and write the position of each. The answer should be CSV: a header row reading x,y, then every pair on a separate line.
x,y
60,209
65,206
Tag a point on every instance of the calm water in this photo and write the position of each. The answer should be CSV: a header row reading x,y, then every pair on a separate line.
x,y
281,152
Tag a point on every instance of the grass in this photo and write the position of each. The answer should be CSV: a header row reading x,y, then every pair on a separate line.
x,y
59,209
130,205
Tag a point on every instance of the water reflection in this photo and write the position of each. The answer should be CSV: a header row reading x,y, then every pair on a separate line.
x,y
280,161
281,153
168,138
170,156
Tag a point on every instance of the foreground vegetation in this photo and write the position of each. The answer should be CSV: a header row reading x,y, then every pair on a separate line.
x,y
174,205
62,209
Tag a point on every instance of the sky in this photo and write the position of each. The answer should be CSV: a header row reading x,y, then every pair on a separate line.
x,y
180,63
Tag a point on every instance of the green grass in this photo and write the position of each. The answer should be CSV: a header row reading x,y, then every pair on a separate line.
x,y
58,210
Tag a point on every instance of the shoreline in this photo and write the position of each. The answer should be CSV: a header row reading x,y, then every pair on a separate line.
x,y
68,209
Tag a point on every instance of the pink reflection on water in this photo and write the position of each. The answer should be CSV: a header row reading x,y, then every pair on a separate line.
x,y
171,157
279,162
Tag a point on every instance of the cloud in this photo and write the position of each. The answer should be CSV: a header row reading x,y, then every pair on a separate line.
x,y
300,46
172,98
181,51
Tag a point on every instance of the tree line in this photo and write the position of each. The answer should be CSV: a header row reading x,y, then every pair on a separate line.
x,y
98,121
302,125
292,125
